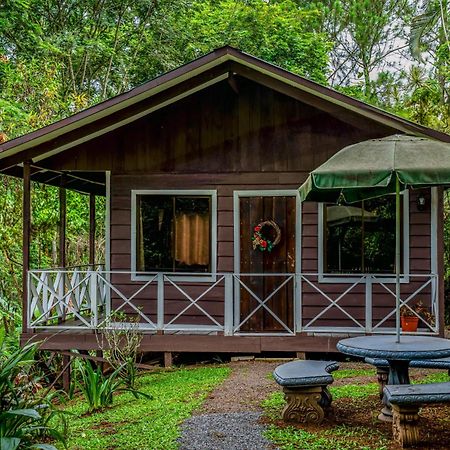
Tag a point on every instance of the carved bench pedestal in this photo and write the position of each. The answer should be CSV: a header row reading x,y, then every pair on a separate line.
x,y
405,424
303,405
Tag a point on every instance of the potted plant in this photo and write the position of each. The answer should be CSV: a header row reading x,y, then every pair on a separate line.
x,y
409,316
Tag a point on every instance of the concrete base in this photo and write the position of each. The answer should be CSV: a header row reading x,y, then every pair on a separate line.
x,y
303,405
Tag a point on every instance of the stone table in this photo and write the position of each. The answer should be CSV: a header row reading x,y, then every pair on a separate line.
x,y
398,355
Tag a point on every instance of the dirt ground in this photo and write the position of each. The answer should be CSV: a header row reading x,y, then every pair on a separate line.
x,y
248,385
251,382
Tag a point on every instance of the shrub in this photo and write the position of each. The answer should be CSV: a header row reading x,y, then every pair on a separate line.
x,y
98,389
119,339
25,409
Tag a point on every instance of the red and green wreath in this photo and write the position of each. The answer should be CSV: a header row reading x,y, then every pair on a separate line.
x,y
260,241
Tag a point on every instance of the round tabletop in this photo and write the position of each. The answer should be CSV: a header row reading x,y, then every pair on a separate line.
x,y
385,347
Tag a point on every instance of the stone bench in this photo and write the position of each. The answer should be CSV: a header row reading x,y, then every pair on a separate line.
x,y
406,400
304,385
383,368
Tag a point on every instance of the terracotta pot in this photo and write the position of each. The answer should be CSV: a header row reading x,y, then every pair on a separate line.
x,y
409,323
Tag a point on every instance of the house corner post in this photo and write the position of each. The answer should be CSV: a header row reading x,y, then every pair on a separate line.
x,y
26,238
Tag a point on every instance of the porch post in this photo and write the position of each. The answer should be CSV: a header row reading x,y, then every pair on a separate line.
x,y
26,218
62,246
91,230
62,224
397,257
440,263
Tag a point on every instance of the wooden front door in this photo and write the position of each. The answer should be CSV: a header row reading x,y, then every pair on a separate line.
x,y
280,260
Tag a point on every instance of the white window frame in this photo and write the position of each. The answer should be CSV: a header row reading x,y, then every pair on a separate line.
x,y
177,276
325,277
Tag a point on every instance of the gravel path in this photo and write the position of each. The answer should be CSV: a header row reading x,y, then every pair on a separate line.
x,y
250,382
228,420
229,431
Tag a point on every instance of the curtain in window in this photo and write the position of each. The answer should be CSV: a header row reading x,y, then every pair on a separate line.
x,y
192,239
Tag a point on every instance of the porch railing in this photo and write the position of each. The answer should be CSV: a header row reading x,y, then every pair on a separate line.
x,y
92,298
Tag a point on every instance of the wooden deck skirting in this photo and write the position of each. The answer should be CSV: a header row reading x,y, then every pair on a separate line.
x,y
84,340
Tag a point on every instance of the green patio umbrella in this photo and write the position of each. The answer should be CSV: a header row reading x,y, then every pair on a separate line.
x,y
378,167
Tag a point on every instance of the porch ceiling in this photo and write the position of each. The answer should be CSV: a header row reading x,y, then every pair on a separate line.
x,y
83,182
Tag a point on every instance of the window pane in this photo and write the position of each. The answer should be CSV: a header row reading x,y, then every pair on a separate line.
x,y
154,240
361,238
173,233
192,234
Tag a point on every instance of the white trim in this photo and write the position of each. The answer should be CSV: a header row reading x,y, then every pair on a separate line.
x,y
298,246
433,229
135,276
350,277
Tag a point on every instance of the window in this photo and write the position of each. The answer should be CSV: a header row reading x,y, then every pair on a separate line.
x,y
360,238
174,232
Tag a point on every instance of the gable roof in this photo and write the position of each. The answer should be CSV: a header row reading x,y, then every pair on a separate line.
x,y
179,83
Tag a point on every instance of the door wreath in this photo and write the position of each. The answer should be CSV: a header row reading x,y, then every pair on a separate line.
x,y
260,242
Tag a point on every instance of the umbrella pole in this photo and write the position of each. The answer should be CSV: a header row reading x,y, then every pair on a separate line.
x,y
397,258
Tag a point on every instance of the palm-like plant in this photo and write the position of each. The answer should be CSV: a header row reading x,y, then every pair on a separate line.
x,y
24,414
98,389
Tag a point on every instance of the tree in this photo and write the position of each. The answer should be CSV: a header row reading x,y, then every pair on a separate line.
x,y
368,37
430,36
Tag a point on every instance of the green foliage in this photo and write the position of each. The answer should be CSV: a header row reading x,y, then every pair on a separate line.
x,y
25,410
350,373
279,32
354,391
330,437
120,345
291,438
437,377
435,15
144,423
273,405
97,388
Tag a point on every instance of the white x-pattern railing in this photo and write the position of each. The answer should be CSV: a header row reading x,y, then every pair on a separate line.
x,y
93,298
65,296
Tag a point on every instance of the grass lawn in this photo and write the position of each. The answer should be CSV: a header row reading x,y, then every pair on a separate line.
x,y
141,423
354,425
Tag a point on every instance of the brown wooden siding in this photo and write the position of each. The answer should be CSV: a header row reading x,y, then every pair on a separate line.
x,y
218,139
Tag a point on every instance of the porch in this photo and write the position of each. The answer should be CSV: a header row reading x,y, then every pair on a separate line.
x,y
83,300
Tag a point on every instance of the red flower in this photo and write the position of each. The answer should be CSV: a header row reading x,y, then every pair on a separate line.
x,y
263,244
257,228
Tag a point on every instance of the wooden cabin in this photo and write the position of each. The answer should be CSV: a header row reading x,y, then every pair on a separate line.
x,y
207,243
